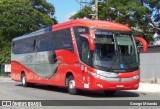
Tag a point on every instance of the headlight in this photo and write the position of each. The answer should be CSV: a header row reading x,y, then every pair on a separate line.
x,y
94,74
97,75
107,74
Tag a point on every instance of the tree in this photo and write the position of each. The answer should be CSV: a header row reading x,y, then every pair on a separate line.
x,y
137,14
19,17
154,7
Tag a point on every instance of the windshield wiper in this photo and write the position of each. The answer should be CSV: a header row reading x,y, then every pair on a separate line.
x,y
115,58
116,52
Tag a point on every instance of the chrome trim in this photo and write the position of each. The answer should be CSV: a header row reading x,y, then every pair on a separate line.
x,y
107,74
114,79
117,79
127,79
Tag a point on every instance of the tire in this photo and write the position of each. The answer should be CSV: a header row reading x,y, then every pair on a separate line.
x,y
109,92
23,80
71,86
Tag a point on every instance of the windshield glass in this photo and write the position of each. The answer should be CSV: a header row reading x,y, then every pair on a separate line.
x,y
115,51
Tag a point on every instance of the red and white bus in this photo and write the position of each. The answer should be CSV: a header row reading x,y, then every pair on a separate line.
x,y
78,54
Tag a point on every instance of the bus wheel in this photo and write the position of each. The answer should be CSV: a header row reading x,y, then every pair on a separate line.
x,y
71,86
109,92
23,80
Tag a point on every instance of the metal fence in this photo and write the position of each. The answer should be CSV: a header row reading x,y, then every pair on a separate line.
x,y
150,65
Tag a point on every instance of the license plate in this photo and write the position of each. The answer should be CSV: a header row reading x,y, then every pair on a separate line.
x,y
119,86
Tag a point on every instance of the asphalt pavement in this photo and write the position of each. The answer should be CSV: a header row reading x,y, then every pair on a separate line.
x,y
11,90
143,87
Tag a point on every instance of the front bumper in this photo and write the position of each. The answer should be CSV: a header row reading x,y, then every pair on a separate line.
x,y
98,84
128,81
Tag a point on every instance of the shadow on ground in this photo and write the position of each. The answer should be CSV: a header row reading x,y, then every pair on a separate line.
x,y
94,94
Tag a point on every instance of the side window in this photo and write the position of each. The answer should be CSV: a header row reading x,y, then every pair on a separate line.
x,y
65,40
28,45
17,47
85,52
55,40
45,42
22,46
78,30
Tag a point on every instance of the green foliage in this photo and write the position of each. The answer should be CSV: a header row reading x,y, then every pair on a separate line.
x,y
20,17
137,14
5,53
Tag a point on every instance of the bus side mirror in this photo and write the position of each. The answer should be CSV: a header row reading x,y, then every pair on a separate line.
x,y
90,39
144,43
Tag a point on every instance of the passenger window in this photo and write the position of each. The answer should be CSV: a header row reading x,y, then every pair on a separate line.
x,y
85,52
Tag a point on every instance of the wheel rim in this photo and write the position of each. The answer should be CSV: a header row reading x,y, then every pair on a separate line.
x,y
23,80
72,84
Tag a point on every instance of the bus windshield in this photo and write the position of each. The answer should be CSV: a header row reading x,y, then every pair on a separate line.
x,y
115,51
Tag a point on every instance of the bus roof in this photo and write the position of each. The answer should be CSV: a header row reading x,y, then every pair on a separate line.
x,y
79,22
93,24
41,31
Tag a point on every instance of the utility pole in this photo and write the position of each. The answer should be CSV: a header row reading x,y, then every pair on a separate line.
x,y
96,9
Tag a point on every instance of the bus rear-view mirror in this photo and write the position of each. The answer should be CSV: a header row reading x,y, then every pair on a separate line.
x,y
144,43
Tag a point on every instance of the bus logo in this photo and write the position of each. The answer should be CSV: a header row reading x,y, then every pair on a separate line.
x,y
6,103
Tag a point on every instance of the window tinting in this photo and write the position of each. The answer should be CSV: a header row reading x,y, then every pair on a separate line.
x,y
77,31
85,51
55,40
22,46
45,42
65,40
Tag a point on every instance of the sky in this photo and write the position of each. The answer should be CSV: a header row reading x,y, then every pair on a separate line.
x,y
64,8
